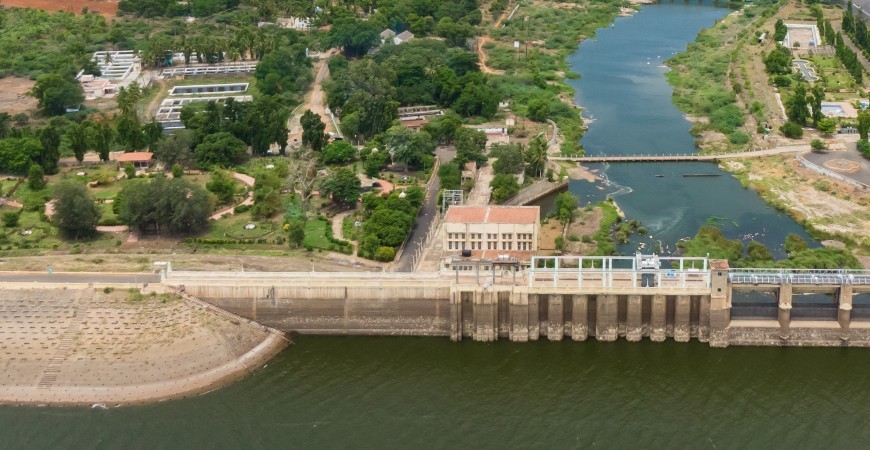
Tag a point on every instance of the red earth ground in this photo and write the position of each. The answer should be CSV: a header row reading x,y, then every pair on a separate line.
x,y
108,8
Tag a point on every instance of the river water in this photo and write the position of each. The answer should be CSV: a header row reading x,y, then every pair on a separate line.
x,y
627,104
329,392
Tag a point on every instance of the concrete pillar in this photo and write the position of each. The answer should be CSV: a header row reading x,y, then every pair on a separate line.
x,y
579,317
634,318
658,318
485,316
720,303
844,314
784,309
555,319
455,315
704,319
534,320
606,326
519,317
682,316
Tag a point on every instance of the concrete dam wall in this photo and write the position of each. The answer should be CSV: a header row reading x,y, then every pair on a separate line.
x,y
554,308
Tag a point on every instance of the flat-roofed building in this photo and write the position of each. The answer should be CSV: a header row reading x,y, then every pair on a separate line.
x,y
491,233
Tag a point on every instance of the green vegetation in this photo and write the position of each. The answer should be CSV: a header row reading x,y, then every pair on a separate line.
x,y
710,240
75,212
164,205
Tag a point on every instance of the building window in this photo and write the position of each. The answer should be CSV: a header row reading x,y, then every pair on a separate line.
x,y
506,236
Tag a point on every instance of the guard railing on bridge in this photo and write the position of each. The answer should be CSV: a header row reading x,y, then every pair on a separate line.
x,y
799,276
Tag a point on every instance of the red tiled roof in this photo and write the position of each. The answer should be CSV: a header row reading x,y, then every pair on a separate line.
x,y
135,157
493,214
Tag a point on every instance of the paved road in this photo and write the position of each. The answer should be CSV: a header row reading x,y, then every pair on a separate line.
x,y
66,277
424,217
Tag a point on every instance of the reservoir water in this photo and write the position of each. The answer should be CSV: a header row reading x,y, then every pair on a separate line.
x,y
355,392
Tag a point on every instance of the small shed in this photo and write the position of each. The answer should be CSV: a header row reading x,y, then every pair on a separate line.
x,y
140,160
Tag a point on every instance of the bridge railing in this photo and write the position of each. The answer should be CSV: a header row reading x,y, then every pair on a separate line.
x,y
799,276
619,278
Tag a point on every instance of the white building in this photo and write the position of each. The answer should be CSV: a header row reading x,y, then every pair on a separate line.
x,y
488,233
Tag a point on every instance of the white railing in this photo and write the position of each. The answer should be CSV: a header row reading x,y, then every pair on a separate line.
x,y
812,166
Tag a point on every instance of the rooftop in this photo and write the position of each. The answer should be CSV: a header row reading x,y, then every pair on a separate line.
x,y
135,157
493,214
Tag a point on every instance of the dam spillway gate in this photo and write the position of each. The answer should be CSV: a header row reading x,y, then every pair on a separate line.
x,y
558,298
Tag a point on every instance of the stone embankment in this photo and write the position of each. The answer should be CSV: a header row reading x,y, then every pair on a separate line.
x,y
85,346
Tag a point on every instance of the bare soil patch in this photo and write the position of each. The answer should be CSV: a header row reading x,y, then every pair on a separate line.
x,y
107,8
13,95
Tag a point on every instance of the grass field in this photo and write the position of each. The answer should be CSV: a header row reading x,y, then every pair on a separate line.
x,y
315,234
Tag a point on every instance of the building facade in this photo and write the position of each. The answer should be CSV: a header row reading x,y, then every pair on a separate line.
x,y
490,233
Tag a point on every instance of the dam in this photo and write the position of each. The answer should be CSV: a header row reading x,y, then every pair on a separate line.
x,y
575,298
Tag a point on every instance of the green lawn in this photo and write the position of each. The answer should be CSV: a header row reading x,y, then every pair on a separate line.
x,y
315,234
233,227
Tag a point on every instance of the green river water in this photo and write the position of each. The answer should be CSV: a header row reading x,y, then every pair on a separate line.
x,y
365,392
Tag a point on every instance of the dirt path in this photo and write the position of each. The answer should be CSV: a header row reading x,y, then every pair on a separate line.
x,y
486,39
249,199
338,228
314,102
155,102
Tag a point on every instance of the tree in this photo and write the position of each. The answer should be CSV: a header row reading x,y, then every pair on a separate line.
x,y
504,187
342,185
222,150
385,254
510,158
177,148
536,157
826,125
354,35
796,106
50,138
296,232
818,144
312,131
10,219
177,171
863,124
77,134
539,109
36,178
75,212
450,176
389,226
102,136
152,132
816,103
54,93
284,71
130,170
470,146
566,206
129,132
408,147
778,61
221,185
165,204
338,152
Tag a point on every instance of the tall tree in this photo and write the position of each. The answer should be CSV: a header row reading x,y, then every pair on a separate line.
x,y
342,185
312,131
77,134
50,137
75,212
54,92
796,106
102,135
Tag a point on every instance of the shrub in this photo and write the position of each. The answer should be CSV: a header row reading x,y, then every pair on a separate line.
x,y
10,219
241,209
738,138
792,130
385,254
818,144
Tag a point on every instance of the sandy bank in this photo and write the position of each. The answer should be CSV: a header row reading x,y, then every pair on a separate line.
x,y
85,346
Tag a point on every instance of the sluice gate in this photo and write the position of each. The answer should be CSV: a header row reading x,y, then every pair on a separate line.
x,y
559,298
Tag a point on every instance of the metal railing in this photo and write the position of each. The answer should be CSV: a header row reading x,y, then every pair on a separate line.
x,y
799,276
644,271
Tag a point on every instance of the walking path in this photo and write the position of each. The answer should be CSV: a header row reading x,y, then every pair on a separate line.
x,y
481,192
482,40
249,199
338,229
314,102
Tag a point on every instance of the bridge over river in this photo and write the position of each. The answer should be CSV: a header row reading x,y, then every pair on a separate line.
x,y
685,157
